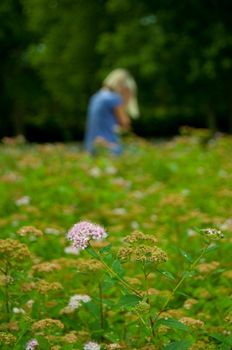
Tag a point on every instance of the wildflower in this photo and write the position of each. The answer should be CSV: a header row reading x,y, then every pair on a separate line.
x,y
139,237
71,250
88,265
202,345
76,301
110,170
27,230
133,280
150,254
7,338
25,200
27,287
70,338
141,247
11,326
82,232
113,346
143,253
91,346
142,307
17,310
12,250
212,234
189,303
228,318
149,347
32,344
43,287
134,224
95,172
119,211
191,322
205,268
46,323
46,267
5,280
29,303
52,231
191,233
227,274
11,177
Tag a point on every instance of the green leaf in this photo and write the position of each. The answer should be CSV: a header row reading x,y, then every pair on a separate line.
x,y
93,308
167,274
225,340
178,345
211,248
172,323
92,252
108,259
186,255
108,283
129,300
117,267
106,249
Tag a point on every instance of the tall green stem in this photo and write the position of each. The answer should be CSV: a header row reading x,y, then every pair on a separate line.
x,y
180,283
113,273
7,301
101,305
149,302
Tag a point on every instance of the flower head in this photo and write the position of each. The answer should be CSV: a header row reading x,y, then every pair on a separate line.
x,y
7,338
212,234
47,323
91,346
81,233
76,301
32,344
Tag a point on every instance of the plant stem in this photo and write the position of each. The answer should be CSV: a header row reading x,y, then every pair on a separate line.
x,y
101,305
149,302
112,272
179,283
7,293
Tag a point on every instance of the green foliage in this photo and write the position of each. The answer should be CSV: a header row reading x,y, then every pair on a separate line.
x,y
56,53
155,195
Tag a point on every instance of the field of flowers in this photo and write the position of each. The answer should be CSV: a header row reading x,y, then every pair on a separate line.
x,y
126,253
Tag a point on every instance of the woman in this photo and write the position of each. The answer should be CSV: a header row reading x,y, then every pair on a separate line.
x,y
109,111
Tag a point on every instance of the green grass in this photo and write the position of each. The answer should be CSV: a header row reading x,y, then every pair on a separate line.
x,y
170,190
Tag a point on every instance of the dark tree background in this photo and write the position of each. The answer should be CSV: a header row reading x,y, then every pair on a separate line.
x,y
55,53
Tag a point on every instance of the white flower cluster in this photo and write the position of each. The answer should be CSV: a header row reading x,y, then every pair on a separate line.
x,y
76,301
91,346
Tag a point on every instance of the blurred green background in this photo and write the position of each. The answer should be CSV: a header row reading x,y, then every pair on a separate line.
x,y
55,53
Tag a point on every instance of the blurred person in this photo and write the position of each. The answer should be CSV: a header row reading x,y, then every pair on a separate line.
x,y
109,112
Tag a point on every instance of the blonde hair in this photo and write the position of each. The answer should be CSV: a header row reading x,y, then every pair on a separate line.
x,y
122,78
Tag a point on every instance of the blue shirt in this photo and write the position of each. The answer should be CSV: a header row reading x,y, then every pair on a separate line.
x,y
101,120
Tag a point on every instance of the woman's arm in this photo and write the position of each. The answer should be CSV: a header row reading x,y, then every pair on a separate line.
x,y
122,117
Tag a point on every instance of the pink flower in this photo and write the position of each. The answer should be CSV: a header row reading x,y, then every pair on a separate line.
x,y
81,233
31,345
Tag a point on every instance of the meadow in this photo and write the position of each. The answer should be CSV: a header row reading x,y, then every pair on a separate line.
x,y
160,277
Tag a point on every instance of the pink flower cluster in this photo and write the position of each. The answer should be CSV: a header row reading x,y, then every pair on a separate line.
x,y
82,232
32,344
